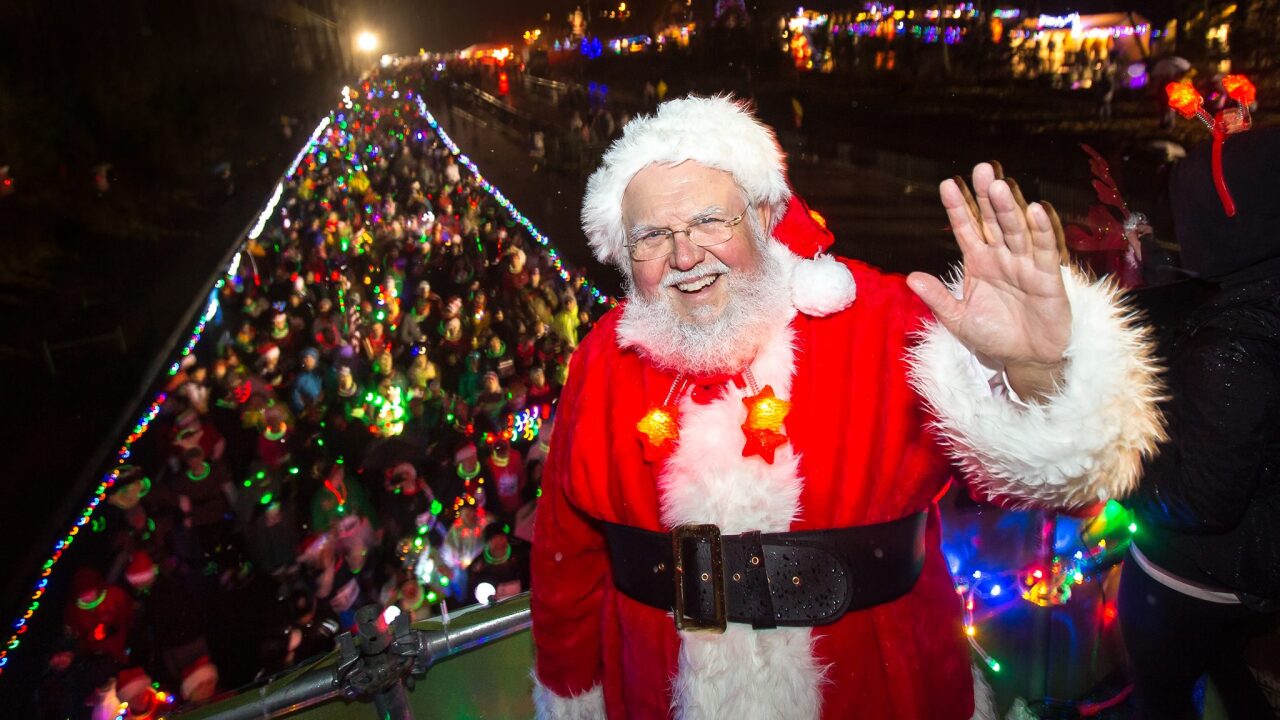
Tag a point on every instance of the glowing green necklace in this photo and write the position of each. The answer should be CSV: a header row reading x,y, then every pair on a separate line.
x,y
488,558
92,603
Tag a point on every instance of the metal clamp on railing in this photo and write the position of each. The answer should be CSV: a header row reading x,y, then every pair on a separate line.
x,y
379,662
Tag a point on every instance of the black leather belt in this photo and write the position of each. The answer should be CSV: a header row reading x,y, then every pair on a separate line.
x,y
791,579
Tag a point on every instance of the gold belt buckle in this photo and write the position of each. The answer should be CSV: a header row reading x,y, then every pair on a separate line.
x,y
710,533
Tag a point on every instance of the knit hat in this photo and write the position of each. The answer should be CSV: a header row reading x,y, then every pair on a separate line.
x,y
141,569
198,673
131,685
720,133
1214,245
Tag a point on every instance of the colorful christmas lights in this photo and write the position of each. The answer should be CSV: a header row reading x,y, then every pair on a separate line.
x,y
144,422
1050,586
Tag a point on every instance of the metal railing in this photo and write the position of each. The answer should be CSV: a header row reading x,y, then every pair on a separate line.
x,y
378,663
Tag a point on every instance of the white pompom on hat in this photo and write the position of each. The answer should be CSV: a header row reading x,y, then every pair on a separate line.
x,y
722,133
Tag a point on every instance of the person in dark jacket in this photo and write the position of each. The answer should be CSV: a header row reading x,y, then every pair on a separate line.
x,y
1204,573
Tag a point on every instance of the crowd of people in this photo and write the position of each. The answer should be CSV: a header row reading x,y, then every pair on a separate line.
x,y
364,421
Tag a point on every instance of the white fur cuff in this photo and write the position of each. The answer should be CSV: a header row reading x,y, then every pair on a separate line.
x,y
549,706
1086,443
984,700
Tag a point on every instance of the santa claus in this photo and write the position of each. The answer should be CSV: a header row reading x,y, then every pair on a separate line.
x,y
738,514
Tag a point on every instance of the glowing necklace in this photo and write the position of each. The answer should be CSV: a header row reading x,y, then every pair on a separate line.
x,y
468,474
488,558
204,473
92,603
766,414
274,435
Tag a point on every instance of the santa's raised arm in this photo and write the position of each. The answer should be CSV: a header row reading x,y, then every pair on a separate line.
x,y
753,442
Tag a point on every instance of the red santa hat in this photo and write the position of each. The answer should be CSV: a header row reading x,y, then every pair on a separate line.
x,y
311,546
131,685
196,674
466,451
87,581
720,133
270,350
141,569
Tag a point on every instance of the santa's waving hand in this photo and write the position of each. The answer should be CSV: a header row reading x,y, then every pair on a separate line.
x,y
1074,383
1013,308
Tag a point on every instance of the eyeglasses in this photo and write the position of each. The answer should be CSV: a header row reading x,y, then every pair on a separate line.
x,y
703,232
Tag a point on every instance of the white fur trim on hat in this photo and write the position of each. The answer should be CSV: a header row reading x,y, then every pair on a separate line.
x,y
199,672
1086,442
549,706
132,683
140,577
714,131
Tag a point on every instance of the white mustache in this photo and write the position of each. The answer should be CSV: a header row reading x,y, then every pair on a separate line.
x,y
709,267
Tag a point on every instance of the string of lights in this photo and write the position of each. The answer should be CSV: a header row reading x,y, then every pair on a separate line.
x,y
1104,539
22,624
507,205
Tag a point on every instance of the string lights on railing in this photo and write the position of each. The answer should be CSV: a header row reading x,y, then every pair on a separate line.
x,y
86,514
507,205
522,425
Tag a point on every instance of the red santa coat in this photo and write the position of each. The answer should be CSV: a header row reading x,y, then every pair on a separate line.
x,y
860,452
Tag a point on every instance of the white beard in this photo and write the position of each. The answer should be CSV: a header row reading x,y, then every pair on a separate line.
x,y
758,301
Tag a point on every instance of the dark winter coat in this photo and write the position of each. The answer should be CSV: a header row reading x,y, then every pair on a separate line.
x,y
1209,508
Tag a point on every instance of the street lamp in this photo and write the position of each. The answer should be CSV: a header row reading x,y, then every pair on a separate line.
x,y
366,42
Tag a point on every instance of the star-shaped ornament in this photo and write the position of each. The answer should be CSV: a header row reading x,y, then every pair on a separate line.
x,y
766,414
657,428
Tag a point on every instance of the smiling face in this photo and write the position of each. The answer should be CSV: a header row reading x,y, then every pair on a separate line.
x,y
690,278
701,309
